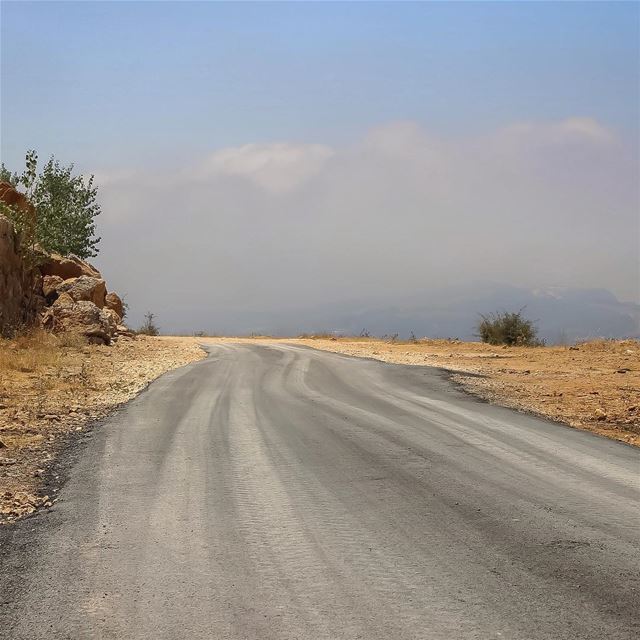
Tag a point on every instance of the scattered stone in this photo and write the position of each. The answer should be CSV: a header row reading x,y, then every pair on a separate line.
x,y
122,330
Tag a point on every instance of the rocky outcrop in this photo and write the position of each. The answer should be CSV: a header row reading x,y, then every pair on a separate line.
x,y
81,303
66,293
84,317
69,267
10,196
85,288
19,302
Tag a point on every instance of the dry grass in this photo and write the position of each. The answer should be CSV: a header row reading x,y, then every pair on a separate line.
x,y
51,385
26,353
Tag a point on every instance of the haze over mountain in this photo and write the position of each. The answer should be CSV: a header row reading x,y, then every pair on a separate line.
x,y
561,315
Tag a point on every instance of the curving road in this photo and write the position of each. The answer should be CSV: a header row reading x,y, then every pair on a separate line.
x,y
279,492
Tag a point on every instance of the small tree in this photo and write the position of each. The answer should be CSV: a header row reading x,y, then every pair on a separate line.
x,y
149,327
65,206
508,328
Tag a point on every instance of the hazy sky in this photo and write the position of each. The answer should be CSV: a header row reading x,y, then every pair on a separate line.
x,y
276,156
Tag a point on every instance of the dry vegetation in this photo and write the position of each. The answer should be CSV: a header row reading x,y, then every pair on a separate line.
x,y
593,385
52,385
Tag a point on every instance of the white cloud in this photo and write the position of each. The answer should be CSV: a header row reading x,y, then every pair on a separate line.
x,y
571,130
276,168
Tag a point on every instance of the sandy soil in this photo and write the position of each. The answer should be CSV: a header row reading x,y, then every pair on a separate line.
x,y
50,387
593,385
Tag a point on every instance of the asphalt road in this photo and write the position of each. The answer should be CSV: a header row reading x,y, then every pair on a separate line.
x,y
280,492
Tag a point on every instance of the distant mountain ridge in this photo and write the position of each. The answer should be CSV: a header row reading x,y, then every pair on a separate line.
x,y
561,314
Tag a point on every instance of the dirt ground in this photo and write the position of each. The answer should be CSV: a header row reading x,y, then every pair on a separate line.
x,y
593,385
52,386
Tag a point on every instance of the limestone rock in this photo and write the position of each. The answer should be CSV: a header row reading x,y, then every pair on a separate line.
x,y
64,300
82,317
85,288
17,200
112,301
123,330
113,315
109,320
19,301
50,286
65,268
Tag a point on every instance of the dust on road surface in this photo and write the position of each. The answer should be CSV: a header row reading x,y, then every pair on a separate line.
x,y
283,492
593,385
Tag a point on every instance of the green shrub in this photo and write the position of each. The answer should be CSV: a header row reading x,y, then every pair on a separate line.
x,y
508,328
65,207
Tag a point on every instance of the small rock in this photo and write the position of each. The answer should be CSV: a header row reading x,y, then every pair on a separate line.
x,y
113,301
7,461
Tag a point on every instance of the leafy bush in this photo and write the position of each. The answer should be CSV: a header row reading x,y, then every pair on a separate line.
x,y
508,328
149,327
65,206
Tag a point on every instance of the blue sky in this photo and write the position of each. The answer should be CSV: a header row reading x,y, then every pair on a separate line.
x,y
286,154
108,82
